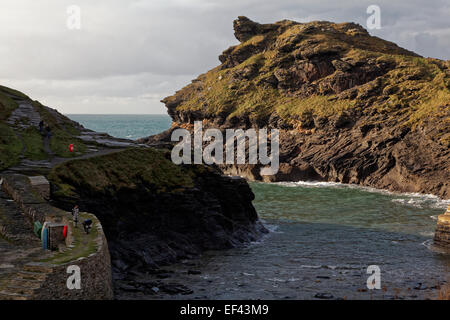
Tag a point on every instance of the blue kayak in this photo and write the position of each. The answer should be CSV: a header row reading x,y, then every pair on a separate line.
x,y
45,238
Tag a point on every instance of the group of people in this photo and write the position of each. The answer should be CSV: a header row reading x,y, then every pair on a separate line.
x,y
48,130
87,224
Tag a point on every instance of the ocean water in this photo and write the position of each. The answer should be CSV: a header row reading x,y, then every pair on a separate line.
x,y
128,126
323,237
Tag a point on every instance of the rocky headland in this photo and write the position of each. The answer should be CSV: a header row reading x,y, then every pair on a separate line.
x,y
350,107
152,211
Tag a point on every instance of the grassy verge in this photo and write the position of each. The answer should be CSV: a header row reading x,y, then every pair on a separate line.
x,y
13,92
134,167
34,144
10,147
63,133
7,105
84,244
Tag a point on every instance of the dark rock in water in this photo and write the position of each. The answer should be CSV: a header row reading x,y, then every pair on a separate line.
x,y
119,264
158,271
154,212
194,272
323,277
144,282
155,289
125,287
323,296
420,286
175,288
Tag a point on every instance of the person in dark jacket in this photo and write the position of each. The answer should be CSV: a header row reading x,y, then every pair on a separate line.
x,y
87,225
41,127
49,131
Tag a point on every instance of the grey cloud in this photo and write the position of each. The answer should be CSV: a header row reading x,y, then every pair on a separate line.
x,y
140,49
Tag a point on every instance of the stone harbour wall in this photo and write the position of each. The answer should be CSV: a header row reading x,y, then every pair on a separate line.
x,y
442,234
95,275
94,264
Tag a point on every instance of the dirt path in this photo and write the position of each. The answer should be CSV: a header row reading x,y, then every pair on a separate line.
x,y
57,160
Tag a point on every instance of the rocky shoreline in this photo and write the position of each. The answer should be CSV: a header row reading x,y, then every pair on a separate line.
x,y
151,219
153,212
350,107
382,157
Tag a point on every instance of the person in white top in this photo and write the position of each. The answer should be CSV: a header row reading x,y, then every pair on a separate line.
x,y
75,212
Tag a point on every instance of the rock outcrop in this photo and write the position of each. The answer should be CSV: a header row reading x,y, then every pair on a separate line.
x,y
155,212
351,107
442,234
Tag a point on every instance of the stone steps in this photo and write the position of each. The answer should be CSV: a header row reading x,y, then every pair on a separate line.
x,y
21,281
26,275
25,283
13,296
37,268
13,225
24,116
24,291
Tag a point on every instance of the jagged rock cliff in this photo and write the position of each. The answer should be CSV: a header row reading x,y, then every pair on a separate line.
x,y
442,234
351,107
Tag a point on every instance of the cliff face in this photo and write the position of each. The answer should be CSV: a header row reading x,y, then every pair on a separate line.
x,y
442,234
154,212
351,107
20,138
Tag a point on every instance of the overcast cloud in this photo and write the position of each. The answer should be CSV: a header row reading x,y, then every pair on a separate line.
x,y
128,55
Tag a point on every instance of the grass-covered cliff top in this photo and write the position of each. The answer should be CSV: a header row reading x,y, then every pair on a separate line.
x,y
19,131
129,169
319,69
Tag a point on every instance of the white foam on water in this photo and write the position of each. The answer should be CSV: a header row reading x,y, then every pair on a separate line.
x,y
429,244
305,266
276,280
422,201
427,233
414,199
272,228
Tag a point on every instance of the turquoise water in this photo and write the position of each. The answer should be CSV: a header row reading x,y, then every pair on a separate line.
x,y
128,126
323,237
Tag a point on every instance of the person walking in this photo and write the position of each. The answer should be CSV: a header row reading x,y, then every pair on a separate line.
x,y
41,126
75,213
49,132
87,225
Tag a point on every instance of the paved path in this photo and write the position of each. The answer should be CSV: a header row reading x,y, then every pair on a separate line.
x,y
24,116
97,143
22,245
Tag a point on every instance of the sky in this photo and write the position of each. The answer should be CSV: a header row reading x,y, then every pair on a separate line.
x,y
127,55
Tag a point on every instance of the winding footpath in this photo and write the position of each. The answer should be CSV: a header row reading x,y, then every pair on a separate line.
x,y
18,245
